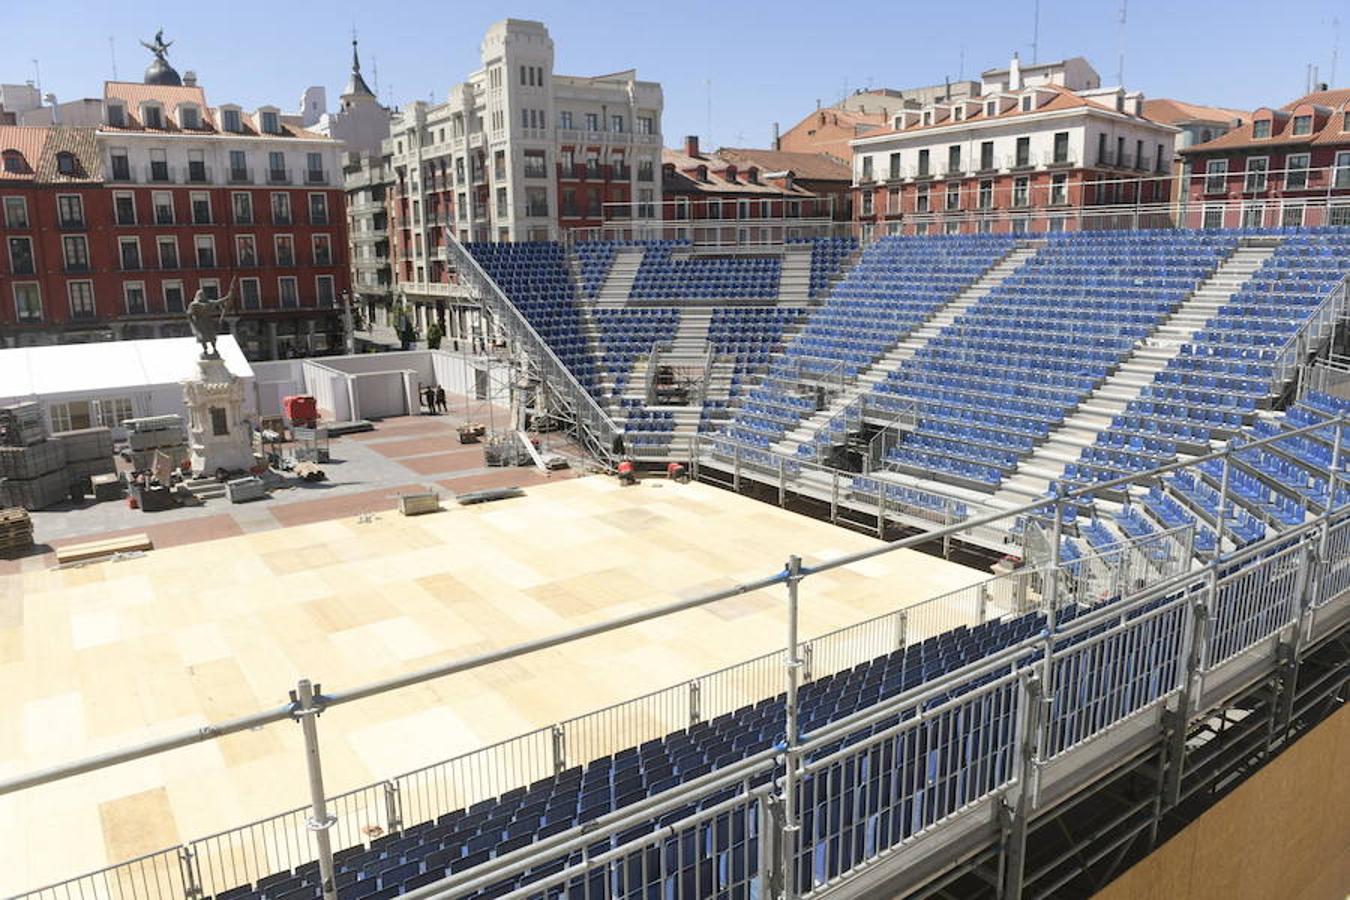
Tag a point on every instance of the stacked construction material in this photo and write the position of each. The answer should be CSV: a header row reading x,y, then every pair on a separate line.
x,y
151,434
89,452
16,532
32,471
21,425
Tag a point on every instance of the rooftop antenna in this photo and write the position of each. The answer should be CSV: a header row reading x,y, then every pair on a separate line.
x,y
112,54
37,76
707,83
375,71
1035,35
1120,68
1335,47
961,69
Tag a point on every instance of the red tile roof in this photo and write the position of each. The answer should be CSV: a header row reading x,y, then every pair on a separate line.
x,y
1333,104
1063,99
28,141
807,166
1176,112
38,147
687,180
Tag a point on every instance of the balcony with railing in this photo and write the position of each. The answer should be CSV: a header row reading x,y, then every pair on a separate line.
x,y
198,173
316,176
242,175
159,173
278,176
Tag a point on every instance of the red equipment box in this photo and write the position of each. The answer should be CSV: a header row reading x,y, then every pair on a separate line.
x,y
300,409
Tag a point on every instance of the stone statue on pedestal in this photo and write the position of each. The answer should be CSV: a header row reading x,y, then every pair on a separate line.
x,y
205,316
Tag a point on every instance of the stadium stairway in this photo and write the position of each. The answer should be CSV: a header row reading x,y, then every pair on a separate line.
x,y
794,282
874,374
1094,415
618,281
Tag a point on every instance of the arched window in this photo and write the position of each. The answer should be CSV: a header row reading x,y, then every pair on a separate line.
x,y
14,163
65,163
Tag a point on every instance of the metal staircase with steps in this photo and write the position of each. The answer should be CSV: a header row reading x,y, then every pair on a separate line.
x,y
906,347
1151,356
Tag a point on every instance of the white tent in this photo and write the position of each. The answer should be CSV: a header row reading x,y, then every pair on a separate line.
x,y
103,383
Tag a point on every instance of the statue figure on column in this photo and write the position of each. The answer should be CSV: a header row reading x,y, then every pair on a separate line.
x,y
205,316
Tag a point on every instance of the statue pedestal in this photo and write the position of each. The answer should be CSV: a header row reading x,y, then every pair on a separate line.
x,y
218,436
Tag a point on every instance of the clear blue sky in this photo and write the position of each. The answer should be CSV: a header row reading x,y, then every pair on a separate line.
x,y
766,62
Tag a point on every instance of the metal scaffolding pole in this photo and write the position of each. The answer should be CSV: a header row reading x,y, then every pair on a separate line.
x,y
792,665
320,821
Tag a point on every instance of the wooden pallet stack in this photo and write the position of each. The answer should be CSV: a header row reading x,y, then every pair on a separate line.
x,y
16,532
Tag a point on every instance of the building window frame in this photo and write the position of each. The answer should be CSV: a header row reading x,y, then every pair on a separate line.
x,y
29,265
1255,174
120,198
1296,171
172,306
81,300
129,261
288,299
167,241
1216,176
30,312
19,220
128,287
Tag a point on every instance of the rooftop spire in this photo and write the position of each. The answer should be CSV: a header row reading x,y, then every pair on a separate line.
x,y
356,84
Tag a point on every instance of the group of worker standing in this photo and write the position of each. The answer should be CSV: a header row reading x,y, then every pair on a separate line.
x,y
432,398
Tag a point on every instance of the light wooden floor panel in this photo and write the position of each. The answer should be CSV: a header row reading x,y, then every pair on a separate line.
x,y
95,658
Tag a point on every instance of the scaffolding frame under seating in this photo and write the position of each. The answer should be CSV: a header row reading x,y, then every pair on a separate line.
x,y
1051,685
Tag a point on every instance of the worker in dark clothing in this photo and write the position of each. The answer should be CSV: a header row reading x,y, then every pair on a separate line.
x,y
627,473
677,472
440,399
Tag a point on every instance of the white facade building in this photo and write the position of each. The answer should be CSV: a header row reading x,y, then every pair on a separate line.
x,y
521,152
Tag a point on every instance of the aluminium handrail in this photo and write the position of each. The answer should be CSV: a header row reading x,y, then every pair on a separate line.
x,y
1300,342
584,405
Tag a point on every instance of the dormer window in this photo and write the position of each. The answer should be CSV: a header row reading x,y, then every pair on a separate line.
x,y
1026,103
270,123
1261,128
152,116
65,163
959,113
991,108
702,173
188,117
928,117
14,163
230,118
117,116
898,124
1303,125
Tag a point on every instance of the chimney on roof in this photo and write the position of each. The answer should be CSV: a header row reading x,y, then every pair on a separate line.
x,y
691,145
777,140
817,100
1015,73
50,100
189,78
947,87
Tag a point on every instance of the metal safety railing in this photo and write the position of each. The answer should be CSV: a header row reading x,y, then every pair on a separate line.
x,y
1232,606
594,426
1315,329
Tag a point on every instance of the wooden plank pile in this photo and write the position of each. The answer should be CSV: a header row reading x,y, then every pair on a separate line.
x,y
93,550
16,532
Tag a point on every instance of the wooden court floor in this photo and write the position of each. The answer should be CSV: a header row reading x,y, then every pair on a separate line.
x,y
96,658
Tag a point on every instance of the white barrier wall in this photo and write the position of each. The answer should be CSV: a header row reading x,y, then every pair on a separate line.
x,y
331,390
382,394
370,385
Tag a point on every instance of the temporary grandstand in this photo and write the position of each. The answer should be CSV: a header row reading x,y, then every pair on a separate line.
x,y
1145,429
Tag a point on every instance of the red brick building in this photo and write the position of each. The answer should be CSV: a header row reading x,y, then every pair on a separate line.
x,y
1020,157
1285,167
110,231
53,212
